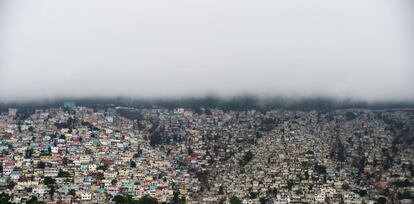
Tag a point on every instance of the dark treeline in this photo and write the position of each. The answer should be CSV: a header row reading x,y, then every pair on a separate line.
x,y
235,103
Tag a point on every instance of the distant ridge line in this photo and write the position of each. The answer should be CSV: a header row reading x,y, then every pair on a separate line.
x,y
234,103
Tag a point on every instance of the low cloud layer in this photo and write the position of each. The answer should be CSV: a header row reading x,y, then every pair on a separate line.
x,y
347,49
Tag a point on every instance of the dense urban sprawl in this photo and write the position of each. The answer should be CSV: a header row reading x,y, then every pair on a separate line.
x,y
120,154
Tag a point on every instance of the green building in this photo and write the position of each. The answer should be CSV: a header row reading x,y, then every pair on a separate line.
x,y
69,104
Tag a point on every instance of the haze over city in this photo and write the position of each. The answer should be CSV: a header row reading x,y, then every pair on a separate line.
x,y
206,101
352,49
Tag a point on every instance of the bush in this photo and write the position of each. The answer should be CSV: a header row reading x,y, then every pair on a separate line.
x,y
235,200
345,186
49,181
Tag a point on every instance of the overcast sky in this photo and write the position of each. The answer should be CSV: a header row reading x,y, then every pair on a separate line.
x,y
360,49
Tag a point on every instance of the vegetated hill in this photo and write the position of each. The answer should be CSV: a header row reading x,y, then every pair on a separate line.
x,y
233,103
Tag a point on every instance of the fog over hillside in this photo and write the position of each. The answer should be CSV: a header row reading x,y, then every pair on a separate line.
x,y
358,50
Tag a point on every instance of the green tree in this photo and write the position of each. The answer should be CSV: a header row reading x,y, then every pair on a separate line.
x,y
176,197
235,200
362,193
63,174
290,184
72,192
148,200
345,186
248,156
190,151
382,200
221,190
41,165
155,138
183,200
33,200
52,192
118,199
5,198
139,153
263,200
272,191
320,169
102,167
48,181
11,185
133,164
65,161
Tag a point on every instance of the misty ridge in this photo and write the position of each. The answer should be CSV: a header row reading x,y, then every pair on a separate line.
x,y
239,103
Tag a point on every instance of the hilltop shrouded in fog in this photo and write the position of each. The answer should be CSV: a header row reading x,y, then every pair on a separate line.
x,y
149,49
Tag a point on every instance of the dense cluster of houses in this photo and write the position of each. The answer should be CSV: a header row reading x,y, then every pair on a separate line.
x,y
83,156
313,157
78,154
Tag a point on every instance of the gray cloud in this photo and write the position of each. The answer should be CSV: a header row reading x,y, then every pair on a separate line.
x,y
160,48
